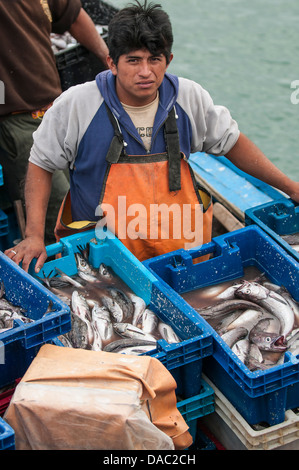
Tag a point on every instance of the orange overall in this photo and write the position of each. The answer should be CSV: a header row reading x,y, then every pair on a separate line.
x,y
151,202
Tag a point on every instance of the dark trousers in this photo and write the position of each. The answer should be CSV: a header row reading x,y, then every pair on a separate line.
x,y
15,144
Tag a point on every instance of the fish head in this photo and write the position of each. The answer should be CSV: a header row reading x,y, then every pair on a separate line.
x,y
105,272
82,265
251,291
268,341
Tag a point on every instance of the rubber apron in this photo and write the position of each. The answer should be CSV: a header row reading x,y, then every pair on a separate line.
x,y
151,202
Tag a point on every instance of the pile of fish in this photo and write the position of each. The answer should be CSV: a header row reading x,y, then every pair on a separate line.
x,y
105,313
60,42
292,240
258,320
10,312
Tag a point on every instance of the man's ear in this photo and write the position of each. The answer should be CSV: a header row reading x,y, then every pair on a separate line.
x,y
111,65
170,59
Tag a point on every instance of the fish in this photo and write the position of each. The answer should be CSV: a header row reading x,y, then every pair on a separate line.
x,y
85,271
101,317
127,330
97,339
80,308
232,336
241,349
136,350
167,333
270,300
65,341
292,303
254,359
118,345
265,340
114,308
123,300
149,321
247,319
79,336
139,308
69,279
105,273
228,306
229,292
292,240
7,305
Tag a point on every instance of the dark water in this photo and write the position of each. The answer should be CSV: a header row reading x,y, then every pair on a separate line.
x,y
246,54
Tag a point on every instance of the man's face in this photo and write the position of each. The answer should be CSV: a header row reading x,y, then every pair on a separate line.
x,y
138,76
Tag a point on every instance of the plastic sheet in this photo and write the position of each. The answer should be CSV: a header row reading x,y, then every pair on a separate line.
x,y
87,400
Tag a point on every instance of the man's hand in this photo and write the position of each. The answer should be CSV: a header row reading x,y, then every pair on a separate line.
x,y
26,250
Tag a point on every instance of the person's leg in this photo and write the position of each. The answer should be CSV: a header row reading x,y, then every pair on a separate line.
x,y
15,144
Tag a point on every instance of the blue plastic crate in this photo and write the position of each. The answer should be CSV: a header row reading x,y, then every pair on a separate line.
x,y
7,436
183,359
258,395
20,344
277,218
197,406
9,229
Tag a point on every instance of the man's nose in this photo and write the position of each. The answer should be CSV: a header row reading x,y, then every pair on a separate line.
x,y
145,69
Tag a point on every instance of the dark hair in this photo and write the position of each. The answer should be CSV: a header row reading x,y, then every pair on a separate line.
x,y
138,27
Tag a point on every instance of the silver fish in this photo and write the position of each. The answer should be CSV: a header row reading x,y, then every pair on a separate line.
x,y
105,272
79,335
149,321
241,349
65,341
7,305
101,317
248,319
292,303
232,336
123,300
136,350
254,359
271,301
139,308
118,345
114,308
97,340
80,307
85,271
292,240
227,306
229,292
127,330
69,279
167,333
265,340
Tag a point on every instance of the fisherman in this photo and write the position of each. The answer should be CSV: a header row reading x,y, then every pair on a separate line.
x,y
31,82
126,138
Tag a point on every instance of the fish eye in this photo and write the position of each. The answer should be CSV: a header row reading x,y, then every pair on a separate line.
x,y
268,339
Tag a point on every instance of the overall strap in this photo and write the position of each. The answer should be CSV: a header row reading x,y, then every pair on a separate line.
x,y
117,144
116,148
173,150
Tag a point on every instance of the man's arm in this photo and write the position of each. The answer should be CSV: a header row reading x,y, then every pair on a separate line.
x,y
37,192
249,158
84,31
